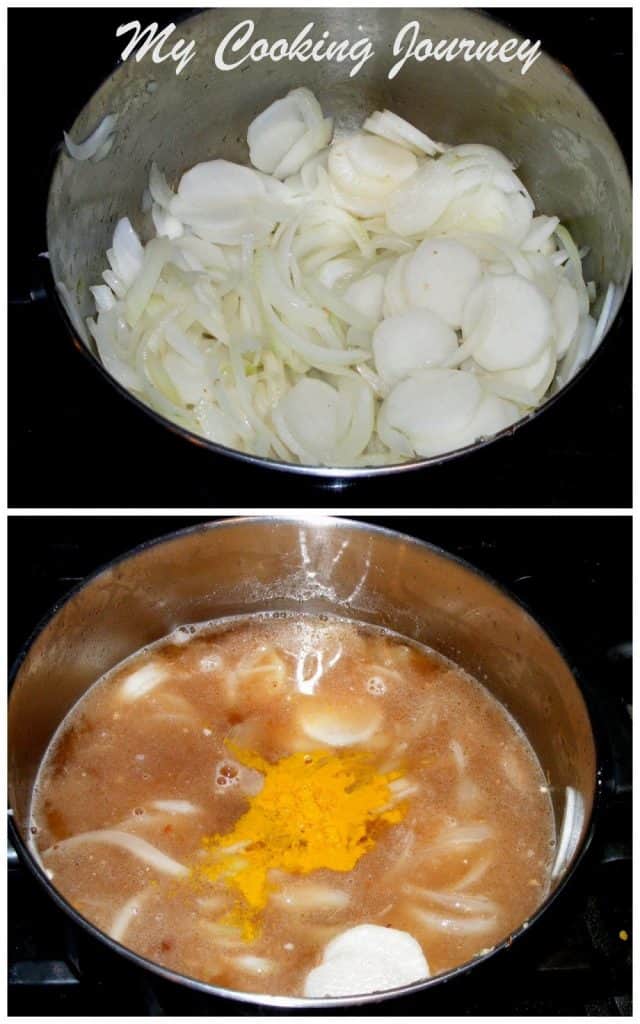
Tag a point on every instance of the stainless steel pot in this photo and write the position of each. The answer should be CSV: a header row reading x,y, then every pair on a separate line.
x,y
566,154
315,564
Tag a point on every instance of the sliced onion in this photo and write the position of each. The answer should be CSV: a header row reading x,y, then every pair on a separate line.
x,y
140,848
288,133
124,917
94,142
457,926
302,897
176,806
397,130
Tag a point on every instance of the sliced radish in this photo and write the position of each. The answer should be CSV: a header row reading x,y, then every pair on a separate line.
x,y
411,341
493,415
440,275
431,406
339,725
370,167
211,186
367,958
416,205
513,319
308,420
537,376
488,209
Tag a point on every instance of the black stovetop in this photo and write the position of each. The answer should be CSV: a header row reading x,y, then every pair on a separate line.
x,y
574,574
74,443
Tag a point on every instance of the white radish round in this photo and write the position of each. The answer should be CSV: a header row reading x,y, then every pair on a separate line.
x,y
341,725
513,321
411,341
222,201
367,958
416,205
440,275
431,406
535,377
381,159
211,186
369,167
308,419
489,210
493,415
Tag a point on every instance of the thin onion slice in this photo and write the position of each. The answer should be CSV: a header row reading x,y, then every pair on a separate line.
x,y
94,142
140,848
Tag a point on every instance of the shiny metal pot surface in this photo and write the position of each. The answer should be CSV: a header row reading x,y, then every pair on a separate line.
x,y
313,565
565,152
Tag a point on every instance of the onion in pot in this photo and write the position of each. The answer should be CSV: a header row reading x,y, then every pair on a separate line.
x,y
266,313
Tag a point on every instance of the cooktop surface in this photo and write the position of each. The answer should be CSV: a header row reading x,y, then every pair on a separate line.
x,y
75,443
574,575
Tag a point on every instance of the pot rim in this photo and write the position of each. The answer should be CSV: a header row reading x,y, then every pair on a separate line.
x,y
301,1002
346,473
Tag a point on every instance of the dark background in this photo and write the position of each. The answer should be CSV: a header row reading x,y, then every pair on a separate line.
x,y
74,443
574,573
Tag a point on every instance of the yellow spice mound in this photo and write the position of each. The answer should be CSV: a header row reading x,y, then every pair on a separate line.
x,y
316,810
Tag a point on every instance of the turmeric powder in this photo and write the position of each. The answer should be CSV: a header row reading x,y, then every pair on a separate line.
x,y
315,810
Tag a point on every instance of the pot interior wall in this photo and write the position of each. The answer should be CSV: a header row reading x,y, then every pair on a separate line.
x,y
328,566
543,120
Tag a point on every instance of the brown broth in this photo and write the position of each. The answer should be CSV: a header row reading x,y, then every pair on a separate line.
x,y
479,823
